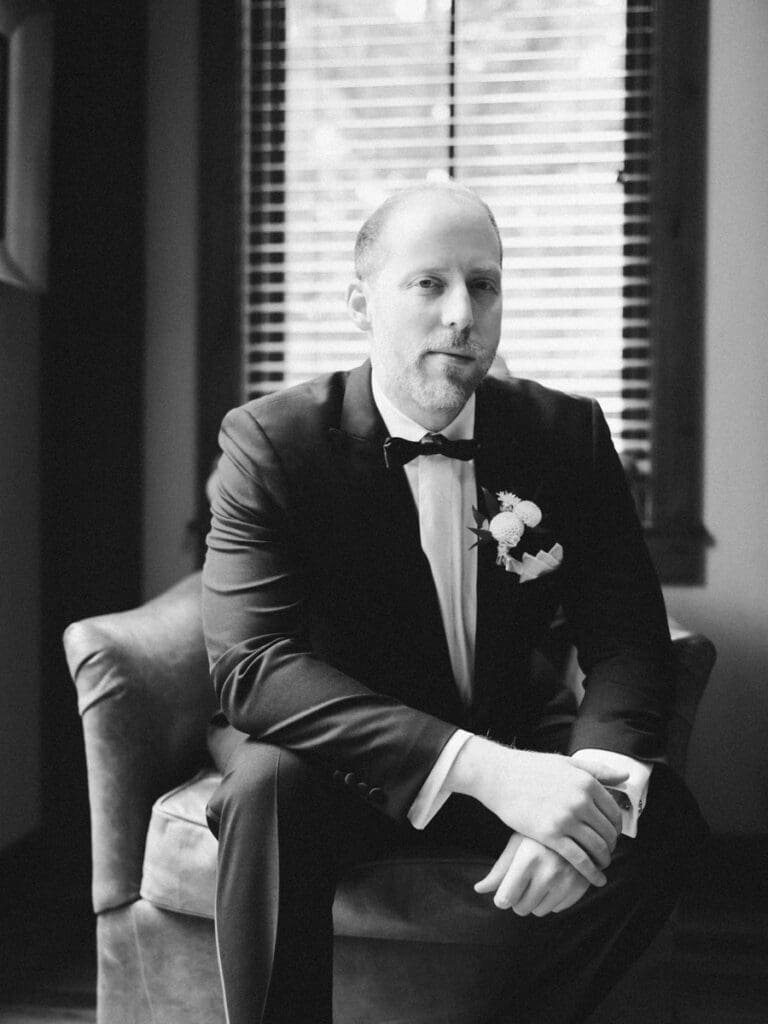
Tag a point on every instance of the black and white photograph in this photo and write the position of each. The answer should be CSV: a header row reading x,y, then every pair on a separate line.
x,y
383,480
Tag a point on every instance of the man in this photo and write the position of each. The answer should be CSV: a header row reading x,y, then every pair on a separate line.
x,y
380,661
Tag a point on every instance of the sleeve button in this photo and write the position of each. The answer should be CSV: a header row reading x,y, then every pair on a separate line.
x,y
377,796
363,788
350,778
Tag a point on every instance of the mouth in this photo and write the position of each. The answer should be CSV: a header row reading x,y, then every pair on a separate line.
x,y
452,354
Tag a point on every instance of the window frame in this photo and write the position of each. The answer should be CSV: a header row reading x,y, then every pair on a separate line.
x,y
674,531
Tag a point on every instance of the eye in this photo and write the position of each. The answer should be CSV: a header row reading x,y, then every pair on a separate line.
x,y
427,284
485,284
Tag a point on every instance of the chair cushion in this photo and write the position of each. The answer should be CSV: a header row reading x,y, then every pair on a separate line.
x,y
414,898
180,855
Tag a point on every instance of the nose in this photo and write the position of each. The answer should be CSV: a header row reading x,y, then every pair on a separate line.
x,y
457,307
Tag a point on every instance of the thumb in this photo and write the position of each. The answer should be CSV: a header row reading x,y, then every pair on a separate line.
x,y
607,774
604,774
493,879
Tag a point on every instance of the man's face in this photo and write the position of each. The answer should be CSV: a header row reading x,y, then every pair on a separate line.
x,y
433,305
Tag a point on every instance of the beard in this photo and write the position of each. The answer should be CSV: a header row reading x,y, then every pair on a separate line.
x,y
453,387
450,391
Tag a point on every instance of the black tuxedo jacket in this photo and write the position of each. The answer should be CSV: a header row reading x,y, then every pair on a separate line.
x,y
321,617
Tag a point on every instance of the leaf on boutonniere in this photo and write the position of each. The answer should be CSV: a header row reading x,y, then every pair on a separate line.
x,y
491,504
483,535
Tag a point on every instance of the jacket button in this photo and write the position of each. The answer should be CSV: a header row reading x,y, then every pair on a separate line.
x,y
377,796
350,778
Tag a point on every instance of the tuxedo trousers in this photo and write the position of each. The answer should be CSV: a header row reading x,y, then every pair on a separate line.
x,y
286,833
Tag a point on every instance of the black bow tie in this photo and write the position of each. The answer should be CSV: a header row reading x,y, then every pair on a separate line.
x,y
398,451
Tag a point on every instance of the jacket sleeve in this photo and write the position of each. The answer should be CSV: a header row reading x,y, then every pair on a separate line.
x,y
269,682
615,607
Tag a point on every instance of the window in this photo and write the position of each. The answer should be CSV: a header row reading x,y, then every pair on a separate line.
x,y
563,117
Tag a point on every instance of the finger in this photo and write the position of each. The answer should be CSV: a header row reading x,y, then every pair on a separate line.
x,y
579,859
608,807
515,883
491,881
581,833
538,891
598,844
570,899
512,890
593,844
567,888
552,898
598,810
607,776
609,832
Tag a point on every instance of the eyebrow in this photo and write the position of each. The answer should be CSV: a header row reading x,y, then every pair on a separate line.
x,y
489,268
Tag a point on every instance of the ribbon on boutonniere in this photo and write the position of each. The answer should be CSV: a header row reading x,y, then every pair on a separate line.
x,y
504,522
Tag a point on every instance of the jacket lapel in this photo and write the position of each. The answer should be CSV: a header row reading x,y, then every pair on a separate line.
x,y
507,461
384,504
381,495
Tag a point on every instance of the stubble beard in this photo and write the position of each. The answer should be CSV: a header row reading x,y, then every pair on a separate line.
x,y
449,392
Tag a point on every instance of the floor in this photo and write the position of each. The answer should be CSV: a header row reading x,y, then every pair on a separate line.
x,y
709,967
48,963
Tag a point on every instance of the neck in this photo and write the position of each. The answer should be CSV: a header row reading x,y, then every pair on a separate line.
x,y
435,420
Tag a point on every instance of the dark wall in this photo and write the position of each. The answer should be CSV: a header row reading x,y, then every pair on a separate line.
x,y
92,363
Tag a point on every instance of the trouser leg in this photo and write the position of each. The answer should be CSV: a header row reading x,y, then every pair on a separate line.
x,y
563,965
284,834
601,938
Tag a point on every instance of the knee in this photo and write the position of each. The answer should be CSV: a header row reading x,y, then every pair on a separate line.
x,y
260,775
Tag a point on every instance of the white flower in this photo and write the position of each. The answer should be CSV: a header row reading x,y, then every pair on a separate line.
x,y
507,528
529,512
507,500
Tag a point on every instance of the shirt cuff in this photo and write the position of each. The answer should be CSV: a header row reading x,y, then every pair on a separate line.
x,y
434,792
635,787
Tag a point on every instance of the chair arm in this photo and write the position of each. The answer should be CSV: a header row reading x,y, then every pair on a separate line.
x,y
145,699
695,656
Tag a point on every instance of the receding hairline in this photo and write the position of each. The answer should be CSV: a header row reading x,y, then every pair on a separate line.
x,y
368,243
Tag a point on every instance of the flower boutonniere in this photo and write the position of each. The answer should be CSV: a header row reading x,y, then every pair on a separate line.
x,y
504,522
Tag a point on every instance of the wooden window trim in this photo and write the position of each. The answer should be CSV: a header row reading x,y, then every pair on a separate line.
x,y
675,535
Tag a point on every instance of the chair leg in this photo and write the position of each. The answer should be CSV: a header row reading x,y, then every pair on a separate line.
x,y
157,967
121,996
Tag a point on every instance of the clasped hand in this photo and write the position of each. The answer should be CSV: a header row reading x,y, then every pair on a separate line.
x,y
531,879
564,809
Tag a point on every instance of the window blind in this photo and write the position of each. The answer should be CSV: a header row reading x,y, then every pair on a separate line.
x,y
543,107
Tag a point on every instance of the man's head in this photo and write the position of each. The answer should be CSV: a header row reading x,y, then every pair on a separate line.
x,y
429,293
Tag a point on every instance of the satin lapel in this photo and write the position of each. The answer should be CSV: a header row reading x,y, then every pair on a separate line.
x,y
381,495
505,462
383,499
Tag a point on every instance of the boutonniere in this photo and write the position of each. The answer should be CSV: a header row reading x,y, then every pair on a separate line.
x,y
504,522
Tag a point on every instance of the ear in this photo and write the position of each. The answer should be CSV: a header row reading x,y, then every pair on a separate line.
x,y
358,305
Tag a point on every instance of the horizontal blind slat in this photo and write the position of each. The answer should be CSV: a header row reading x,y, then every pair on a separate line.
x,y
549,118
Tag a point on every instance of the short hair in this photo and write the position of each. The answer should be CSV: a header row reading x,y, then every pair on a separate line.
x,y
369,236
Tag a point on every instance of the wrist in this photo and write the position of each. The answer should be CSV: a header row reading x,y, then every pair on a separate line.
x,y
479,763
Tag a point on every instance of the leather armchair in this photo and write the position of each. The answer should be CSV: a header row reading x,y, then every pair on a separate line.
x,y
413,944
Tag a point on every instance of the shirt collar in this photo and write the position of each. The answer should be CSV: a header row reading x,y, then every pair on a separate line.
x,y
399,425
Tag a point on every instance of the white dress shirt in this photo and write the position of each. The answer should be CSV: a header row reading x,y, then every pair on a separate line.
x,y
444,491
